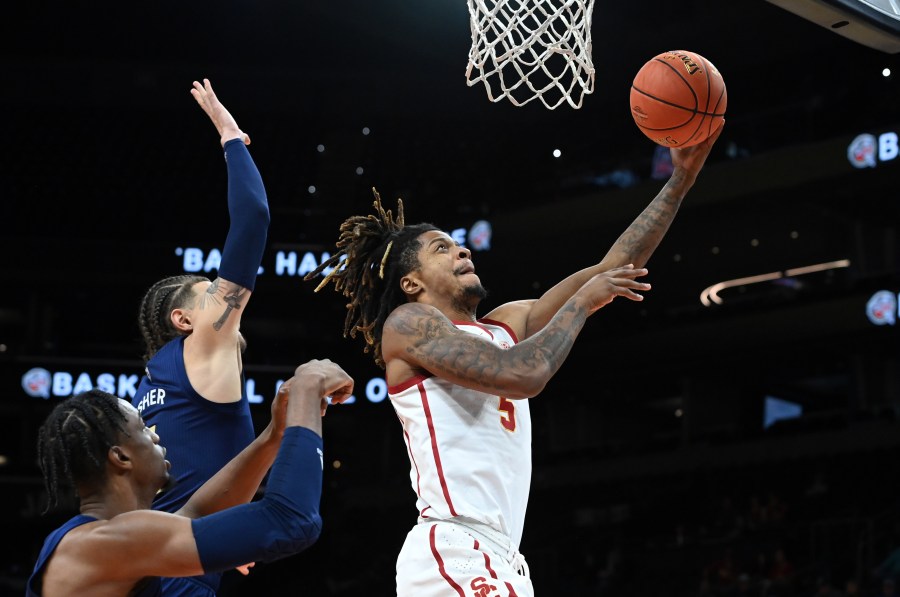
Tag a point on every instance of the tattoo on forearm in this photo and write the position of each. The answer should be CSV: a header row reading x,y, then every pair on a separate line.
x,y
642,237
434,343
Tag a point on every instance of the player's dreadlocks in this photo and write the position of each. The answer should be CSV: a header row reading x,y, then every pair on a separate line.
x,y
74,440
379,250
153,319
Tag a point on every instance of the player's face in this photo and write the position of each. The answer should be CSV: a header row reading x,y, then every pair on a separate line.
x,y
446,269
149,458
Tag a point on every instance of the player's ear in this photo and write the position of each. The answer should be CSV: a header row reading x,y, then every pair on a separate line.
x,y
411,285
181,319
119,459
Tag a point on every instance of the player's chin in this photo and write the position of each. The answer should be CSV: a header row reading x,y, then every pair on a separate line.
x,y
475,289
167,481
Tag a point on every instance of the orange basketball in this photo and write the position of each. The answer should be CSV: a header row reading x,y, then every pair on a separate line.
x,y
678,99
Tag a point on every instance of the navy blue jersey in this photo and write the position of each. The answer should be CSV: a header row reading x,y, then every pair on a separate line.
x,y
148,587
195,586
200,437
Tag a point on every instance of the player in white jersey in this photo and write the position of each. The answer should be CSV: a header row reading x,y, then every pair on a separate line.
x,y
471,473
458,383
469,467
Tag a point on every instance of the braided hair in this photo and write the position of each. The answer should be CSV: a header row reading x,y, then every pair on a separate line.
x,y
379,250
74,440
156,306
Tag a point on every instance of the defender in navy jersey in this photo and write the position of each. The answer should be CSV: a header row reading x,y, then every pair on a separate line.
x,y
98,447
413,293
193,392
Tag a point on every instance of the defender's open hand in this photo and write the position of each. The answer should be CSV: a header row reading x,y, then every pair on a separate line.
x,y
222,118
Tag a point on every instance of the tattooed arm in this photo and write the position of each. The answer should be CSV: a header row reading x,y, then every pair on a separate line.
x,y
223,302
212,351
634,246
222,305
419,337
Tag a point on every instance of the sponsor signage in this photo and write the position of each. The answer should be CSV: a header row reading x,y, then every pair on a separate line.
x,y
46,382
867,151
196,260
881,309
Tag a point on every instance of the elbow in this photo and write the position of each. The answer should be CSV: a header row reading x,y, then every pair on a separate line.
x,y
292,537
529,385
261,213
313,529
533,389
304,532
252,220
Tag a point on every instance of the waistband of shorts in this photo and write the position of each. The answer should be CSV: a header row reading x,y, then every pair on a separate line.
x,y
486,534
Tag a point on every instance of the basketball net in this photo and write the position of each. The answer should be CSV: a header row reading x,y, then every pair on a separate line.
x,y
527,49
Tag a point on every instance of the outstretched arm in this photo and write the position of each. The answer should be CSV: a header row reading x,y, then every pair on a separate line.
x,y
639,240
423,338
223,303
211,352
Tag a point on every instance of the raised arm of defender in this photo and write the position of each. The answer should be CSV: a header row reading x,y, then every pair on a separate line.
x,y
211,354
223,302
420,337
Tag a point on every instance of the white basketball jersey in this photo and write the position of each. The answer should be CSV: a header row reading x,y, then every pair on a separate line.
x,y
470,452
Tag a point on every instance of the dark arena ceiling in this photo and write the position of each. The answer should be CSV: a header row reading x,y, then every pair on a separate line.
x,y
112,176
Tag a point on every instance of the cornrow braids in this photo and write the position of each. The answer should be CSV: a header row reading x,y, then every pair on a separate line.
x,y
74,440
373,253
156,306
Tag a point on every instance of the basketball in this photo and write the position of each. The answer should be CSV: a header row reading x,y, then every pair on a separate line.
x,y
678,99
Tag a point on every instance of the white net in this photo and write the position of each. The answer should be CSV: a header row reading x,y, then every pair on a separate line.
x,y
528,49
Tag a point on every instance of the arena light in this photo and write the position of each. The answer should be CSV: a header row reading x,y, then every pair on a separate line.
x,y
710,295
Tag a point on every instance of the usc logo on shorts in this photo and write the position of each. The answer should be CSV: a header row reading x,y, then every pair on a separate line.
x,y
481,588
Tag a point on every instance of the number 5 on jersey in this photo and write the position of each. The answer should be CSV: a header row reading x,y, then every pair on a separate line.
x,y
507,410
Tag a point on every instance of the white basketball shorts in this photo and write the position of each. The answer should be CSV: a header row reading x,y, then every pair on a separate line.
x,y
446,559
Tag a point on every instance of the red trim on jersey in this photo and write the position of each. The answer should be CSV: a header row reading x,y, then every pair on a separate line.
x,y
474,324
434,448
412,381
512,591
502,325
440,563
415,464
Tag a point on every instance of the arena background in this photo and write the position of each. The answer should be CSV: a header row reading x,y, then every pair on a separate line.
x,y
737,448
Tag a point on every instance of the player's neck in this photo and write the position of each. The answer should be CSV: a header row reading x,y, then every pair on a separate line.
x,y
111,501
456,310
